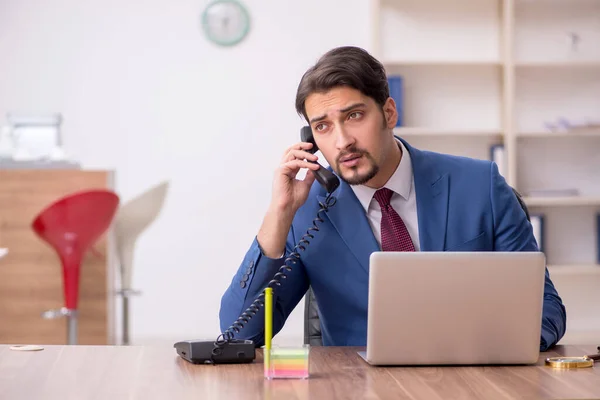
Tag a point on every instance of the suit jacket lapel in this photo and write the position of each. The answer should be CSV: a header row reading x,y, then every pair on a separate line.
x,y
349,219
431,188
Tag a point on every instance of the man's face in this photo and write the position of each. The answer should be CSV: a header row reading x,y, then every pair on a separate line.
x,y
352,132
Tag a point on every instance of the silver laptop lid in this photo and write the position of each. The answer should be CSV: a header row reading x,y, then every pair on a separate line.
x,y
432,308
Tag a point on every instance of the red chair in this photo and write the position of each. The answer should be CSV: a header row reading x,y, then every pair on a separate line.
x,y
71,225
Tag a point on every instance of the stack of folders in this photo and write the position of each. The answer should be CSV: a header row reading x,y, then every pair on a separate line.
x,y
498,155
537,224
598,239
396,87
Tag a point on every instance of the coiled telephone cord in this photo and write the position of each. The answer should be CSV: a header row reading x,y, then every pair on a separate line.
x,y
291,260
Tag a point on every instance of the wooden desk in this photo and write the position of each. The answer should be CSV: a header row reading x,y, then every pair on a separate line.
x,y
112,372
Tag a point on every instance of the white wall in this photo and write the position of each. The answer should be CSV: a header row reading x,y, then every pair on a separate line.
x,y
144,93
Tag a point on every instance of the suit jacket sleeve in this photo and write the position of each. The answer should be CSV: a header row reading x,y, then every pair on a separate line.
x,y
253,275
513,232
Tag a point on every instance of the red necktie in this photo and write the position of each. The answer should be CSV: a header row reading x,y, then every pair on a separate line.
x,y
394,235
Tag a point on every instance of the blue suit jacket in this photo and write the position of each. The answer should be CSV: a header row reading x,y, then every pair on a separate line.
x,y
462,205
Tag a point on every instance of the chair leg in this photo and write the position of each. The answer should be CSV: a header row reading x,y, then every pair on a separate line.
x,y
125,295
72,327
71,316
125,320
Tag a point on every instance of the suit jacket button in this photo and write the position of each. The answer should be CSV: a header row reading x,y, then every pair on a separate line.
x,y
242,284
250,268
244,277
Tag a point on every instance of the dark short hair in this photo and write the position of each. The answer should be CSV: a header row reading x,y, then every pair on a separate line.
x,y
344,66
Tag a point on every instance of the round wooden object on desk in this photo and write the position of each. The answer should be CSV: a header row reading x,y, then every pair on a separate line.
x,y
28,347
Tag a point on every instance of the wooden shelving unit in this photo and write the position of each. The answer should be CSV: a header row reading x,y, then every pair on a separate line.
x,y
590,133
416,132
558,64
562,201
488,72
570,270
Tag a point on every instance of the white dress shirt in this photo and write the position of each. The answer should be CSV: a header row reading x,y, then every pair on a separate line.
x,y
403,201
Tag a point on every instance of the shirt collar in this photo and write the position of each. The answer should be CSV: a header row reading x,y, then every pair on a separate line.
x,y
400,182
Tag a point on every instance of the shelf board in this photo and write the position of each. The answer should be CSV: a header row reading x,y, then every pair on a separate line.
x,y
558,64
442,63
412,132
574,269
593,132
562,201
580,337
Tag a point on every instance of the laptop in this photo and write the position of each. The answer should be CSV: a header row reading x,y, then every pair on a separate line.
x,y
454,308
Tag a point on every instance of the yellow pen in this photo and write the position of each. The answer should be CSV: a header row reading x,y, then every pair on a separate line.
x,y
268,329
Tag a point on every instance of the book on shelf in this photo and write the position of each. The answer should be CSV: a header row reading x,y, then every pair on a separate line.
x,y
566,125
396,86
498,155
537,224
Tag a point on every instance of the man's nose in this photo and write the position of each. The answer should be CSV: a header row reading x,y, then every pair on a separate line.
x,y
343,139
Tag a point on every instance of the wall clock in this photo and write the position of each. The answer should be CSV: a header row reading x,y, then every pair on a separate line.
x,y
225,22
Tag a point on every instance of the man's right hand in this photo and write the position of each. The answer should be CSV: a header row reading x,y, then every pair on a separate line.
x,y
288,196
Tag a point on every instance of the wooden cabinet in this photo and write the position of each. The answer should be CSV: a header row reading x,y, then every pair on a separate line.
x,y
31,273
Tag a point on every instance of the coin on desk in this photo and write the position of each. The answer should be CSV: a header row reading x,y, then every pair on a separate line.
x,y
27,347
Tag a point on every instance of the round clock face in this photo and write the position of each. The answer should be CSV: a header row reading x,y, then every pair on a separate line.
x,y
225,22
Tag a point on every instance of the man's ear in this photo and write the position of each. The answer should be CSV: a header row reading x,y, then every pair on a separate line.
x,y
390,113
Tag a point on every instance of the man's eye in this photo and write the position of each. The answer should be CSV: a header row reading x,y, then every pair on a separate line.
x,y
355,114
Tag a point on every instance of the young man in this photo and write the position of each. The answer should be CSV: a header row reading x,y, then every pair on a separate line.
x,y
392,197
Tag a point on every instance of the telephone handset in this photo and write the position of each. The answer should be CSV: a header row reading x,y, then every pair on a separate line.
x,y
325,177
226,349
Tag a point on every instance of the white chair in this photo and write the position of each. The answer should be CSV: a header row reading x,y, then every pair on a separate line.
x,y
132,219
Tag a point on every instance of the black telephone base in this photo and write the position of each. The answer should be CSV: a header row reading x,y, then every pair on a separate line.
x,y
231,352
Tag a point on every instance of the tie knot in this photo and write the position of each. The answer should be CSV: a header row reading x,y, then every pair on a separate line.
x,y
383,197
